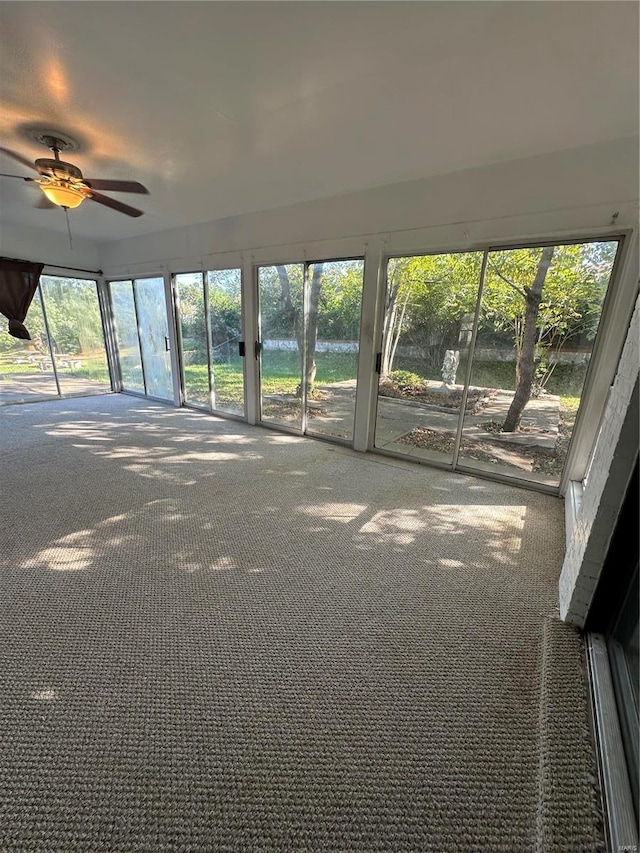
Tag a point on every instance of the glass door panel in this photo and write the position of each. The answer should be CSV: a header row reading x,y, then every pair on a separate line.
x,y
224,289
26,370
193,338
428,322
280,290
332,346
154,336
127,339
77,338
539,316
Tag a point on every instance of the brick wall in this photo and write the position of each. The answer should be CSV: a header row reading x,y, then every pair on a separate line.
x,y
604,490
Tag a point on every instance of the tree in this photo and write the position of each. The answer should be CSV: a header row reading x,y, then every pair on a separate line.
x,y
73,314
225,314
526,350
396,299
306,344
544,297
309,361
225,308
426,300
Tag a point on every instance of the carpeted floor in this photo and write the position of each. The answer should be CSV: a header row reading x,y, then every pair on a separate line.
x,y
220,638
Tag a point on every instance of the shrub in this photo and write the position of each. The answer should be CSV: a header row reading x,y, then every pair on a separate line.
x,y
405,380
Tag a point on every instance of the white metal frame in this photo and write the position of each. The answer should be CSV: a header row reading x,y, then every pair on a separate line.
x,y
173,337
367,384
620,819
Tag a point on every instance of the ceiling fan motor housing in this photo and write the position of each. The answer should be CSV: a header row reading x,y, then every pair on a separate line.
x,y
58,169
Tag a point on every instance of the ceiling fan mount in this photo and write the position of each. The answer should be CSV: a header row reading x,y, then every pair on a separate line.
x,y
63,183
53,138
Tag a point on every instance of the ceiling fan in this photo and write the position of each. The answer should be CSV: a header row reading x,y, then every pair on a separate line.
x,y
63,184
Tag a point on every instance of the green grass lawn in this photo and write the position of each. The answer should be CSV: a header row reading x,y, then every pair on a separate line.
x,y
9,367
94,368
280,374
228,383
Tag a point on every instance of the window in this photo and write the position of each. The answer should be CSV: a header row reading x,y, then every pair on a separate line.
x,y
66,354
484,356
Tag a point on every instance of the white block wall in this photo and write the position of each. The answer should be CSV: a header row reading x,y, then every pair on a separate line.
x,y
607,482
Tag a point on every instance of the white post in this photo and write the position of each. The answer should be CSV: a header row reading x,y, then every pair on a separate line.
x,y
173,338
250,332
367,390
615,320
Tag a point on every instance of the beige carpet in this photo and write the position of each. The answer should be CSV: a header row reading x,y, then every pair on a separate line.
x,y
221,638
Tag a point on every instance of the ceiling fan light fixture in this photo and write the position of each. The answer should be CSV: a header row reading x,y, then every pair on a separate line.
x,y
62,195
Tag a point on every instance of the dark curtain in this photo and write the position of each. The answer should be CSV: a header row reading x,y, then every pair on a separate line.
x,y
18,283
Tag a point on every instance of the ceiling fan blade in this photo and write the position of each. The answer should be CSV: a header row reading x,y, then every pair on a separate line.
x,y
19,177
19,158
116,205
115,186
45,204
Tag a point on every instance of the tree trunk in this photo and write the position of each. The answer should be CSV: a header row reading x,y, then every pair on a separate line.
x,y
389,326
525,364
286,303
398,332
387,337
306,349
312,324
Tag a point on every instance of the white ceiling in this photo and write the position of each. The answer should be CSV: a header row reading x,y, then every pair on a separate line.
x,y
223,108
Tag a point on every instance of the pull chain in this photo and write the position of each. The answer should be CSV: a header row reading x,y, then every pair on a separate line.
x,y
66,213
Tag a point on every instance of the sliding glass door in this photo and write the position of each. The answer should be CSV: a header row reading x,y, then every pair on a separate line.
x,y
209,315
76,334
309,344
429,310
538,321
223,291
142,336
154,336
281,296
484,355
192,336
